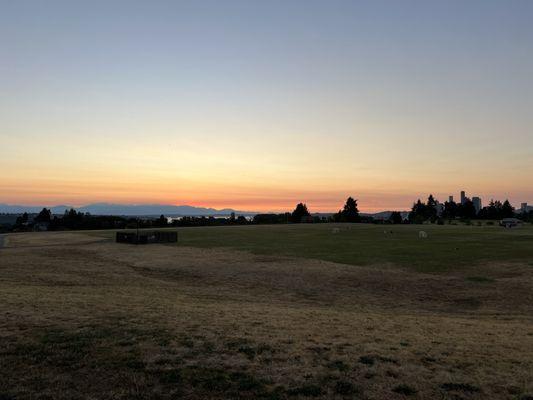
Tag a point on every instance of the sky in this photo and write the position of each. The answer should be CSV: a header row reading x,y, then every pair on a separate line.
x,y
259,105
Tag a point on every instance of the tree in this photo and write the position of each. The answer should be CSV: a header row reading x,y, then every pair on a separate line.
x,y
349,213
467,210
507,210
299,212
44,216
396,218
497,210
431,208
450,210
72,219
23,219
161,221
418,213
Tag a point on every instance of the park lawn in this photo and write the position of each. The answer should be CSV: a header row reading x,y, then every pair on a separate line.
x,y
86,318
447,247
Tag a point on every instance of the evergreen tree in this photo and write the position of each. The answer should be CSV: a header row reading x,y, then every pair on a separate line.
x,y
418,213
396,218
44,216
507,210
350,212
431,208
450,210
467,210
299,212
23,219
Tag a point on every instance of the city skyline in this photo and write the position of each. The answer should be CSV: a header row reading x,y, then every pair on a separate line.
x,y
259,106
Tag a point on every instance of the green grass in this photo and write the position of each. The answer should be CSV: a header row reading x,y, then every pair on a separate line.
x,y
360,244
448,246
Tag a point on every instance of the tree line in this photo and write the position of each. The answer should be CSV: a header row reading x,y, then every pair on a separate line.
x,y
74,220
301,214
433,211
430,210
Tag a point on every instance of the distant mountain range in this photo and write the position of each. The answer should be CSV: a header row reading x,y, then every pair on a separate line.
x,y
154,210
127,210
384,215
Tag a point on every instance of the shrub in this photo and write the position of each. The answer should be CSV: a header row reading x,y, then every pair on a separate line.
x,y
460,387
339,365
346,388
404,389
367,360
306,391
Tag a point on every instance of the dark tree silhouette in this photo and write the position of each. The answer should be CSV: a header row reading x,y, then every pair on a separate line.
x,y
450,210
431,208
299,212
467,210
396,218
23,219
507,210
418,213
349,213
161,221
44,216
497,210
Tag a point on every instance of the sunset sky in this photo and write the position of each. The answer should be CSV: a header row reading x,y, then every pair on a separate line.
x,y
257,105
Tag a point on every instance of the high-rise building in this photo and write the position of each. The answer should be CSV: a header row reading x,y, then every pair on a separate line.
x,y
439,207
463,197
525,208
477,203
450,199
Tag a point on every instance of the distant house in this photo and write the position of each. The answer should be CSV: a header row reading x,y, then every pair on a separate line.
x,y
510,222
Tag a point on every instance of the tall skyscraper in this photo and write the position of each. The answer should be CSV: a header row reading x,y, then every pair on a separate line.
x,y
450,199
463,197
477,203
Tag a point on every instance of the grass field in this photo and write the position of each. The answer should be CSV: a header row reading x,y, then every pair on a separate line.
x,y
361,244
447,247
269,312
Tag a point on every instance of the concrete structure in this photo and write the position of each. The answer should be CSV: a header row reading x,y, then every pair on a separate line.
x,y
477,203
450,199
463,197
